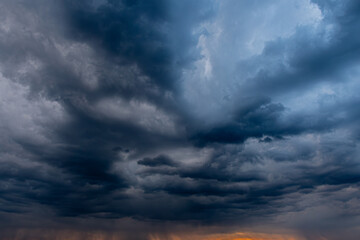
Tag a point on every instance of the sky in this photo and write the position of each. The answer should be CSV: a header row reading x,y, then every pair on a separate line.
x,y
168,120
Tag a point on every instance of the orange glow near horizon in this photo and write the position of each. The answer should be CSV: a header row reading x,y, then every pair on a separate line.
x,y
230,236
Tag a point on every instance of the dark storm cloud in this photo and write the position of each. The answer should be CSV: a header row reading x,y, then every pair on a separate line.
x,y
85,143
96,120
87,146
262,118
160,160
288,65
130,30
310,61
147,34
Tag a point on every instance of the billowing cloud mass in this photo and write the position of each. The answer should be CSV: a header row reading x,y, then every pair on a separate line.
x,y
165,119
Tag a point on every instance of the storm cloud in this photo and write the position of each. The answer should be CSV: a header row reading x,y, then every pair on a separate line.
x,y
151,119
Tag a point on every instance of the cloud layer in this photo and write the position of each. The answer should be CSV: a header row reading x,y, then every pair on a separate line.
x,y
220,115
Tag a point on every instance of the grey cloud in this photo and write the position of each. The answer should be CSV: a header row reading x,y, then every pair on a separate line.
x,y
161,160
